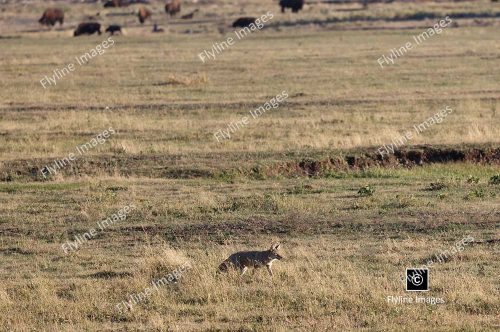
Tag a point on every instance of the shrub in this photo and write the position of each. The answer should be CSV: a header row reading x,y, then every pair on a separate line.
x,y
366,191
436,186
472,179
495,179
476,193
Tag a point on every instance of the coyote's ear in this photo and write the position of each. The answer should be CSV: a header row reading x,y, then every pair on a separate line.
x,y
276,246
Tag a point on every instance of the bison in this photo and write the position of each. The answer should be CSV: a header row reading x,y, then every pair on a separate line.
x,y
51,16
295,5
87,28
112,29
114,3
173,7
123,3
243,22
143,14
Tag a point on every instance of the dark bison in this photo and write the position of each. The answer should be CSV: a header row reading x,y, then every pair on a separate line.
x,y
123,3
51,16
190,15
295,5
173,7
112,29
143,14
114,3
87,29
243,22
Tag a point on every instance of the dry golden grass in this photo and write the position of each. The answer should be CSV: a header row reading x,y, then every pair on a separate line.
x,y
344,254
168,105
199,200
323,284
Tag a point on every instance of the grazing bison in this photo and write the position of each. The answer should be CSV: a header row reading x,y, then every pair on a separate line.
x,y
114,28
173,7
123,3
143,14
113,3
51,16
295,5
243,22
87,29
190,15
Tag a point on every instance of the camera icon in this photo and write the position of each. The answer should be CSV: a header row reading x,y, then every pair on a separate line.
x,y
417,280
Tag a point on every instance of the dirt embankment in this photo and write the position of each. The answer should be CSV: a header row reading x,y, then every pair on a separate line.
x,y
410,157
248,165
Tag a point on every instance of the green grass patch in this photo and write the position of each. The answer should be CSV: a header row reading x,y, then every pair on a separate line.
x,y
18,187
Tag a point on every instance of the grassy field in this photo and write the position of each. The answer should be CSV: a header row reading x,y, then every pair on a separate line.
x,y
306,173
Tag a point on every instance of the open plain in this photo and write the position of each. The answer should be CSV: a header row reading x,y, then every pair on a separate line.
x,y
307,173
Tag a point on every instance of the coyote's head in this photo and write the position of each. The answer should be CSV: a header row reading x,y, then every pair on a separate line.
x,y
273,252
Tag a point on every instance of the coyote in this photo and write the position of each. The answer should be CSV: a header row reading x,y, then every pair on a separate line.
x,y
244,259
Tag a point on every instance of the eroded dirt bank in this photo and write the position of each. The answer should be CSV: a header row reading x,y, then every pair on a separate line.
x,y
254,165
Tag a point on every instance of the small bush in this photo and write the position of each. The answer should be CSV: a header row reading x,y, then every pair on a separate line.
x,y
476,193
366,191
434,186
472,179
495,179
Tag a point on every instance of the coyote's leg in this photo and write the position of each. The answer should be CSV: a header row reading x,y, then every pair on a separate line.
x,y
243,270
269,270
